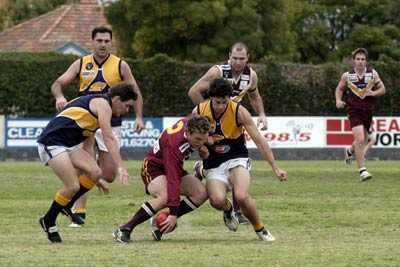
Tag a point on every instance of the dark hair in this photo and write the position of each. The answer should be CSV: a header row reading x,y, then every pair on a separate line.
x,y
220,88
360,50
240,46
101,29
198,124
124,91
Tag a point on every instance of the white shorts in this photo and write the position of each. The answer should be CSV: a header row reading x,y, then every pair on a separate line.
x,y
100,140
46,153
221,173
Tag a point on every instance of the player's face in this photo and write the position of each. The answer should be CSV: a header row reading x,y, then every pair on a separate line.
x,y
196,140
238,59
102,44
121,107
360,61
219,104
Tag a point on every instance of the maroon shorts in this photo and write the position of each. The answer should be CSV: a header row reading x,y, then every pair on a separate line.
x,y
151,171
360,117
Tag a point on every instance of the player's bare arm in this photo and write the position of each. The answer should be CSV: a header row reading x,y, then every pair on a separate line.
x,y
62,82
245,119
102,109
202,85
127,76
339,91
256,102
380,87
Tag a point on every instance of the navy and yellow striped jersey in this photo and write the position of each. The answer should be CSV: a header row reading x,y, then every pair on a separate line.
x,y
227,133
96,78
73,124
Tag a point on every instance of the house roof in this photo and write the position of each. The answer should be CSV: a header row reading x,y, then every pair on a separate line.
x,y
51,31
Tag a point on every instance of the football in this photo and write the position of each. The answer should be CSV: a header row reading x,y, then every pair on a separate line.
x,y
161,217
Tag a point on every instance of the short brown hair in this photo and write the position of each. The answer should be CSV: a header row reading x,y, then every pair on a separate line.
x,y
240,46
360,50
198,124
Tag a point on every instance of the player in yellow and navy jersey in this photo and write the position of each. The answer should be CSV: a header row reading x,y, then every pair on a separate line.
x,y
227,166
59,147
97,72
244,81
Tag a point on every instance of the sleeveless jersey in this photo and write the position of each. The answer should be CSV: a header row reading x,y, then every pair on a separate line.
x,y
168,154
240,86
228,135
357,88
72,125
95,78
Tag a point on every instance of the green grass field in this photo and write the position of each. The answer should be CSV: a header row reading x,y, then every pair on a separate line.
x,y
323,216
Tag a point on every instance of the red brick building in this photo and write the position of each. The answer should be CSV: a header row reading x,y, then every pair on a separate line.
x,y
66,29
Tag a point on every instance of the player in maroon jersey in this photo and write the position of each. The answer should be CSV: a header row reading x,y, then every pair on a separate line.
x,y
166,180
364,87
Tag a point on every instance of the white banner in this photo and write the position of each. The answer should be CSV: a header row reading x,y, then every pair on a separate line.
x,y
286,132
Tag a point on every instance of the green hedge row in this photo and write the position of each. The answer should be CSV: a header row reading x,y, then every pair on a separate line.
x,y
287,89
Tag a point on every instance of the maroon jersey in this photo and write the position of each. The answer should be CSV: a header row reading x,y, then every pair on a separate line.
x,y
357,87
168,155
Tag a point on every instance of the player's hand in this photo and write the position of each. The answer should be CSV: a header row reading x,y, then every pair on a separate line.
x,y
340,104
139,125
169,224
123,175
103,187
203,152
281,174
262,121
60,103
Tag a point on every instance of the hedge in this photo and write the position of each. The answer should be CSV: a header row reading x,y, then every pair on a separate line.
x,y
287,89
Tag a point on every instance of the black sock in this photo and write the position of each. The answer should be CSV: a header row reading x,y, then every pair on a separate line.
x,y
82,190
52,213
185,206
145,212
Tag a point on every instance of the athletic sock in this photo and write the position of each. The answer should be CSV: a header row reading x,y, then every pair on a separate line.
x,y
85,184
185,206
145,212
57,205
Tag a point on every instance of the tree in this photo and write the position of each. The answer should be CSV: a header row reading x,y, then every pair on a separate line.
x,y
14,12
201,30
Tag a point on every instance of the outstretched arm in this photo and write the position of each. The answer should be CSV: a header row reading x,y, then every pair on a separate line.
x,y
245,119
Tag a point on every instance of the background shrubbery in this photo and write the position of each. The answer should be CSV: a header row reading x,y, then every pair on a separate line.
x,y
287,89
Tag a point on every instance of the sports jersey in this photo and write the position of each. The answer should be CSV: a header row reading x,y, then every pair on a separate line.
x,y
73,124
96,78
240,86
357,88
228,134
168,154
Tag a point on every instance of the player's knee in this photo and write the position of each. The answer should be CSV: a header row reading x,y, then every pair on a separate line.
x,y
162,199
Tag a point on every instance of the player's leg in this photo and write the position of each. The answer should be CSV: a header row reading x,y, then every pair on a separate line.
x,y
359,134
59,161
240,178
81,203
217,185
194,193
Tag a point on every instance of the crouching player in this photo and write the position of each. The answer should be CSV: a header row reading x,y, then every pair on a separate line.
x,y
166,180
60,147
